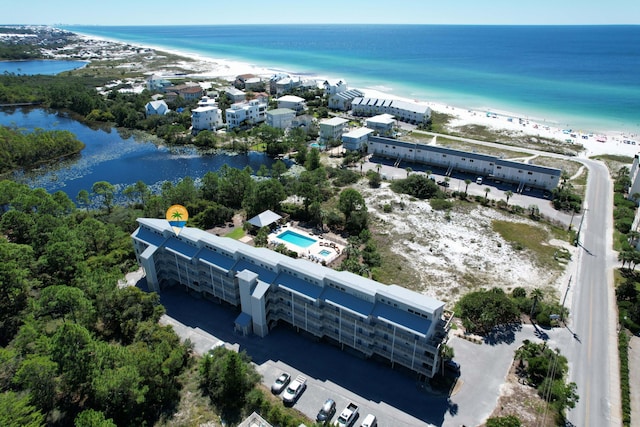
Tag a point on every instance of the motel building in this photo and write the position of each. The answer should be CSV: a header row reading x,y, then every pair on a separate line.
x,y
522,174
384,322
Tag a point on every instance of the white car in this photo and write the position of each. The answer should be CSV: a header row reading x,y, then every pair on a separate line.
x,y
280,383
295,389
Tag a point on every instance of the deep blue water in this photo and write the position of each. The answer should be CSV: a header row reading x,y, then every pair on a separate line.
x,y
585,76
46,67
122,161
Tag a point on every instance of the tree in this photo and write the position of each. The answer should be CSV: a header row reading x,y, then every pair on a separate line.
x,y
508,194
92,418
106,192
16,411
313,160
508,421
466,186
351,201
38,374
83,198
409,170
481,311
227,379
536,295
486,193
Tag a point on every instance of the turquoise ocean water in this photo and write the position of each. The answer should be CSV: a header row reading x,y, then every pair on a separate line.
x,y
585,77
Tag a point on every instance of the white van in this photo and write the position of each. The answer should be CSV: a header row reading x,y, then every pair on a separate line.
x,y
369,421
479,180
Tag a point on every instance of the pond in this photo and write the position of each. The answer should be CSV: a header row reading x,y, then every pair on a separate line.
x,y
119,159
33,67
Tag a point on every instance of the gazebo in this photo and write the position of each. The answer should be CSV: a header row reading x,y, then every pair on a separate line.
x,y
265,219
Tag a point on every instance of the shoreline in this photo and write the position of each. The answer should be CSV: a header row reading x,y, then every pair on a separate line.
x,y
594,142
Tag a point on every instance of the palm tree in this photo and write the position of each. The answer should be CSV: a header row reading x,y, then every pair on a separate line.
x,y
486,193
466,186
409,170
508,195
537,295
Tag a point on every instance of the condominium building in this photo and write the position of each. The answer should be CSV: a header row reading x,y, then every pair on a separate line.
x,y
384,322
405,111
523,174
246,113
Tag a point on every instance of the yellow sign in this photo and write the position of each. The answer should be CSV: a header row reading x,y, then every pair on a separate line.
x,y
177,216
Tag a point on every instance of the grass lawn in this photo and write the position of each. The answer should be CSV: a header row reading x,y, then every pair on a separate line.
x,y
531,238
236,233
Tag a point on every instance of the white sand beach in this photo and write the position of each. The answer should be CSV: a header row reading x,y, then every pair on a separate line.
x,y
204,68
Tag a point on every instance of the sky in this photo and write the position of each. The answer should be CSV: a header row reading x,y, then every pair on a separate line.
x,y
216,12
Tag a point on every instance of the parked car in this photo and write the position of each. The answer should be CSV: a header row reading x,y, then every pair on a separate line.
x,y
369,421
327,411
280,383
479,180
452,365
443,183
294,390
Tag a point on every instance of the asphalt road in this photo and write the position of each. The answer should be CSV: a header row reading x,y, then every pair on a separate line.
x,y
593,356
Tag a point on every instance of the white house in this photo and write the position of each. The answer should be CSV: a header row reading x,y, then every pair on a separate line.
x,y
280,118
253,84
356,139
156,108
292,102
382,124
332,129
234,95
342,100
206,118
246,113
634,176
331,87
157,83
405,111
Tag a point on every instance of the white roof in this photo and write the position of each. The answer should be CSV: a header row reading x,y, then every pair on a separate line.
x,y
357,133
334,121
381,118
290,98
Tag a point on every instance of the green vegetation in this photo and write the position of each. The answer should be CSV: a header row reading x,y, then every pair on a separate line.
x,y
531,238
481,311
72,341
625,387
508,421
546,370
27,150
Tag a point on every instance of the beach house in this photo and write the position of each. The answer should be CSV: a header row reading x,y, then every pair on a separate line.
x,y
234,95
410,112
246,114
382,125
156,108
280,118
387,323
292,102
356,139
331,87
332,129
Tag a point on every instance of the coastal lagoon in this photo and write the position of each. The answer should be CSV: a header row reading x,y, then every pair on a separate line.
x,y
45,67
119,159
584,77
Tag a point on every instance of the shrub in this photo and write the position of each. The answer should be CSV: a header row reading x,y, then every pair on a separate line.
x,y
440,204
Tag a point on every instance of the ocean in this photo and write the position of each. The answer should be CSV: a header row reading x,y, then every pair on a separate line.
x,y
585,77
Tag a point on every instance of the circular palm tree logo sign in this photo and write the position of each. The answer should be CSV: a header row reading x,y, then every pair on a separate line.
x,y
177,216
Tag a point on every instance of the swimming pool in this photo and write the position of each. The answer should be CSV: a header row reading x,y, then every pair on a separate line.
x,y
296,239
324,252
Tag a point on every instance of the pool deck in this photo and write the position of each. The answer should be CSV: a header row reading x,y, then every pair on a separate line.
x,y
312,252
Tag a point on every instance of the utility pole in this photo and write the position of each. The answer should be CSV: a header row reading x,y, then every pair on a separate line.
x,y
576,242
564,299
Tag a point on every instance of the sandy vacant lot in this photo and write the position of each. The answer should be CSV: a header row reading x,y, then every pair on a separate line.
x,y
453,253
